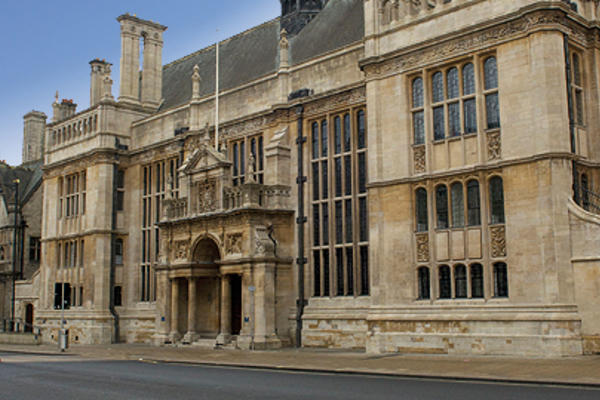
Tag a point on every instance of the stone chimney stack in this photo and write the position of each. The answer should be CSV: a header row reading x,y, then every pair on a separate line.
x,y
63,110
100,68
34,124
132,30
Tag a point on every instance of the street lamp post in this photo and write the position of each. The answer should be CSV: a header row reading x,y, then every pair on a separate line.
x,y
14,255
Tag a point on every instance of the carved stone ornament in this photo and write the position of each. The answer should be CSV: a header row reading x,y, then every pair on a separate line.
x,y
494,145
205,194
348,98
233,243
498,241
423,247
419,158
264,246
181,249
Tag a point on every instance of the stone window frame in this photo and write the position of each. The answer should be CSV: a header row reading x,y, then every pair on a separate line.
x,y
576,59
501,284
154,189
72,195
326,197
35,249
239,153
468,279
120,186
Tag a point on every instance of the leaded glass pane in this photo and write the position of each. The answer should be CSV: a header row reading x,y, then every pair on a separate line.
x,y
338,176
349,271
337,135
339,223
493,111
417,93
421,210
441,205
315,140
454,119
325,224
362,219
362,173
326,280
500,280
424,283
576,70
439,124
473,204
316,273
460,281
324,138
324,186
261,155
364,271
497,200
361,130
348,210
242,158
235,161
458,208
468,79
347,132
315,177
445,283
339,262
470,115
491,73
419,127
579,106
348,175
438,87
476,281
452,82
316,220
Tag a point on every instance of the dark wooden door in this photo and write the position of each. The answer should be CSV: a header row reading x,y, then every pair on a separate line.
x,y
236,304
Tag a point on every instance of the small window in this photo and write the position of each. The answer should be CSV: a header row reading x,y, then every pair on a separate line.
x,y
59,288
458,206
476,281
500,280
441,206
120,190
497,200
34,249
445,282
460,281
119,252
421,210
491,97
418,112
424,283
473,203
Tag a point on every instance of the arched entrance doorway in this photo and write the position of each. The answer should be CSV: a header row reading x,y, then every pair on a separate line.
x,y
29,318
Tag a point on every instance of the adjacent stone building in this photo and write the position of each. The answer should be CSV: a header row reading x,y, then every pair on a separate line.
x,y
384,175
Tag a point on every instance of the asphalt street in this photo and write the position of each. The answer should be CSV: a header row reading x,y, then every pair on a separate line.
x,y
59,377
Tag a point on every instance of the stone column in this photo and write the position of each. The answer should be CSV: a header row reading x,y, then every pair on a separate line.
x,y
225,333
191,335
174,310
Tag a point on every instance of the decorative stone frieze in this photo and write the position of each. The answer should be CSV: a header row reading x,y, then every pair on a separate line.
x,y
205,195
181,249
423,247
494,145
498,241
233,243
420,163
351,97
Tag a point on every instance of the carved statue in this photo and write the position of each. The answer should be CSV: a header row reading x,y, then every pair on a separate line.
x,y
251,168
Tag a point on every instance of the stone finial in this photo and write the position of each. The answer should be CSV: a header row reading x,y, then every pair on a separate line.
x,y
107,88
196,83
56,97
284,45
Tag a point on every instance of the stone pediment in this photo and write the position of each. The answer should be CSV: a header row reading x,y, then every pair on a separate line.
x,y
205,158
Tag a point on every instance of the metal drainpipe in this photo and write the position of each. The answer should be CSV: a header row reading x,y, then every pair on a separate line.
x,y
113,227
14,255
571,116
300,221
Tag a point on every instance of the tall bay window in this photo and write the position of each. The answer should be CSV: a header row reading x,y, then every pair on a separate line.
x,y
72,195
339,220
159,178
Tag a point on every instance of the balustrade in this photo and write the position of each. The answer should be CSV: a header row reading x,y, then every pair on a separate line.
x,y
67,131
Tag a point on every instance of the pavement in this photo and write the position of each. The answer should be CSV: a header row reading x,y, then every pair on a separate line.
x,y
566,371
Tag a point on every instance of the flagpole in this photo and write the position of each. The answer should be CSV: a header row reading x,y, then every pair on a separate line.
x,y
217,101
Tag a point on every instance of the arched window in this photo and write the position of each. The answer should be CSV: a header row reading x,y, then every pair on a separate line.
x,y
460,281
476,281
439,124
453,93
441,206
445,282
417,111
452,83
491,89
424,283
500,280
473,203
119,252
497,200
585,194
421,210
458,206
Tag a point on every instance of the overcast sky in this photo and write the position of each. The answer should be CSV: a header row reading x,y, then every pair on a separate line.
x,y
46,45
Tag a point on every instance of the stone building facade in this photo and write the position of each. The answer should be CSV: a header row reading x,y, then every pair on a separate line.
x,y
392,176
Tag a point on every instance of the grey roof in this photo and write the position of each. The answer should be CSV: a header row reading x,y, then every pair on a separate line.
x,y
255,53
30,178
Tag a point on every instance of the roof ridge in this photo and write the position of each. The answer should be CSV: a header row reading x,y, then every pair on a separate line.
x,y
208,48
